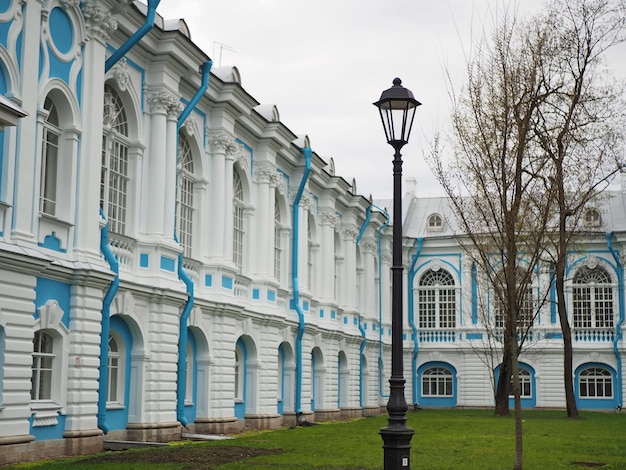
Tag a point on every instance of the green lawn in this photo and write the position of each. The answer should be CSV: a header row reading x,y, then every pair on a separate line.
x,y
444,439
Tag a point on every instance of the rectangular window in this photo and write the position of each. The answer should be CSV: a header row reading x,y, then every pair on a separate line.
x,y
238,237
49,163
43,364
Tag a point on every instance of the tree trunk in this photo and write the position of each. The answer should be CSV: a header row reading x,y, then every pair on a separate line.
x,y
518,414
502,387
568,368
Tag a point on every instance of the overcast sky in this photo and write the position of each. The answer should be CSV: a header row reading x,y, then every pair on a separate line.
x,y
324,62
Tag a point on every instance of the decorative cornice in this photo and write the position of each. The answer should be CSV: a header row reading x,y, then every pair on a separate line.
x,y
307,201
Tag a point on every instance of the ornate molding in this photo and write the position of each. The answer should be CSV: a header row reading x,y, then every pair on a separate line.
x,y
369,245
99,21
121,74
350,233
307,201
329,218
69,3
266,173
50,314
164,101
190,127
223,143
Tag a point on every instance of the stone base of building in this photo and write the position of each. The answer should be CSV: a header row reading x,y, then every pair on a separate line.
x,y
263,421
23,448
218,425
153,432
327,415
351,413
373,411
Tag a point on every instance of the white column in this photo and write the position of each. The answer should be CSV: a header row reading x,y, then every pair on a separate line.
x,y
263,262
349,235
327,288
171,162
24,201
154,202
99,25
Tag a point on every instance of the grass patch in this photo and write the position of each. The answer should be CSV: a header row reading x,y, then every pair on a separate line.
x,y
444,439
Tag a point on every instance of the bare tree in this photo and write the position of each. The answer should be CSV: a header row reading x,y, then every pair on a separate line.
x,y
580,128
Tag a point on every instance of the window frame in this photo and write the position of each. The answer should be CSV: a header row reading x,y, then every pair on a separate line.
x,y
442,378
238,222
432,297
185,189
593,302
607,374
115,177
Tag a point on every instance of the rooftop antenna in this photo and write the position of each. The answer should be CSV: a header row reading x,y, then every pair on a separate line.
x,y
222,47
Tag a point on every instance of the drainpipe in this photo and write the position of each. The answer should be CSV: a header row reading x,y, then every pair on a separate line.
x,y
294,273
103,378
412,273
104,242
135,38
368,215
618,329
380,306
182,274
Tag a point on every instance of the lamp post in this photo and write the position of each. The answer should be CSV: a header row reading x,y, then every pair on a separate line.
x,y
397,110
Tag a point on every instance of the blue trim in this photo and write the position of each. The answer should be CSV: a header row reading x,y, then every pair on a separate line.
x,y
168,264
361,349
118,418
307,152
526,402
227,282
182,274
106,324
190,410
280,405
271,295
474,294
379,250
618,327
553,310
61,32
135,38
473,336
47,433
144,260
437,401
411,307
256,294
49,289
240,408
597,403
333,314
208,280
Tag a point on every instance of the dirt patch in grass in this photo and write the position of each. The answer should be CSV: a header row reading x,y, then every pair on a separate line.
x,y
189,457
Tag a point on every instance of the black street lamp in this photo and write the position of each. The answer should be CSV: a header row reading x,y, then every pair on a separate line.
x,y
397,110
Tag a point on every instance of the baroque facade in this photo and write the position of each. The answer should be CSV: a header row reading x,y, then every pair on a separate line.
x,y
175,259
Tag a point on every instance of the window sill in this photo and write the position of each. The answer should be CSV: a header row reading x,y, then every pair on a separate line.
x,y
45,413
115,406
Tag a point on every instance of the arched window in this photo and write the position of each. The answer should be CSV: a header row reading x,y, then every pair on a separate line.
x,y
437,300
115,380
435,223
277,240
185,195
43,366
592,218
592,296
49,159
526,306
595,382
437,382
114,175
525,381
238,226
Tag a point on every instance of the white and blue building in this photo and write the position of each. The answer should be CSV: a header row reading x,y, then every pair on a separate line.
x,y
173,258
